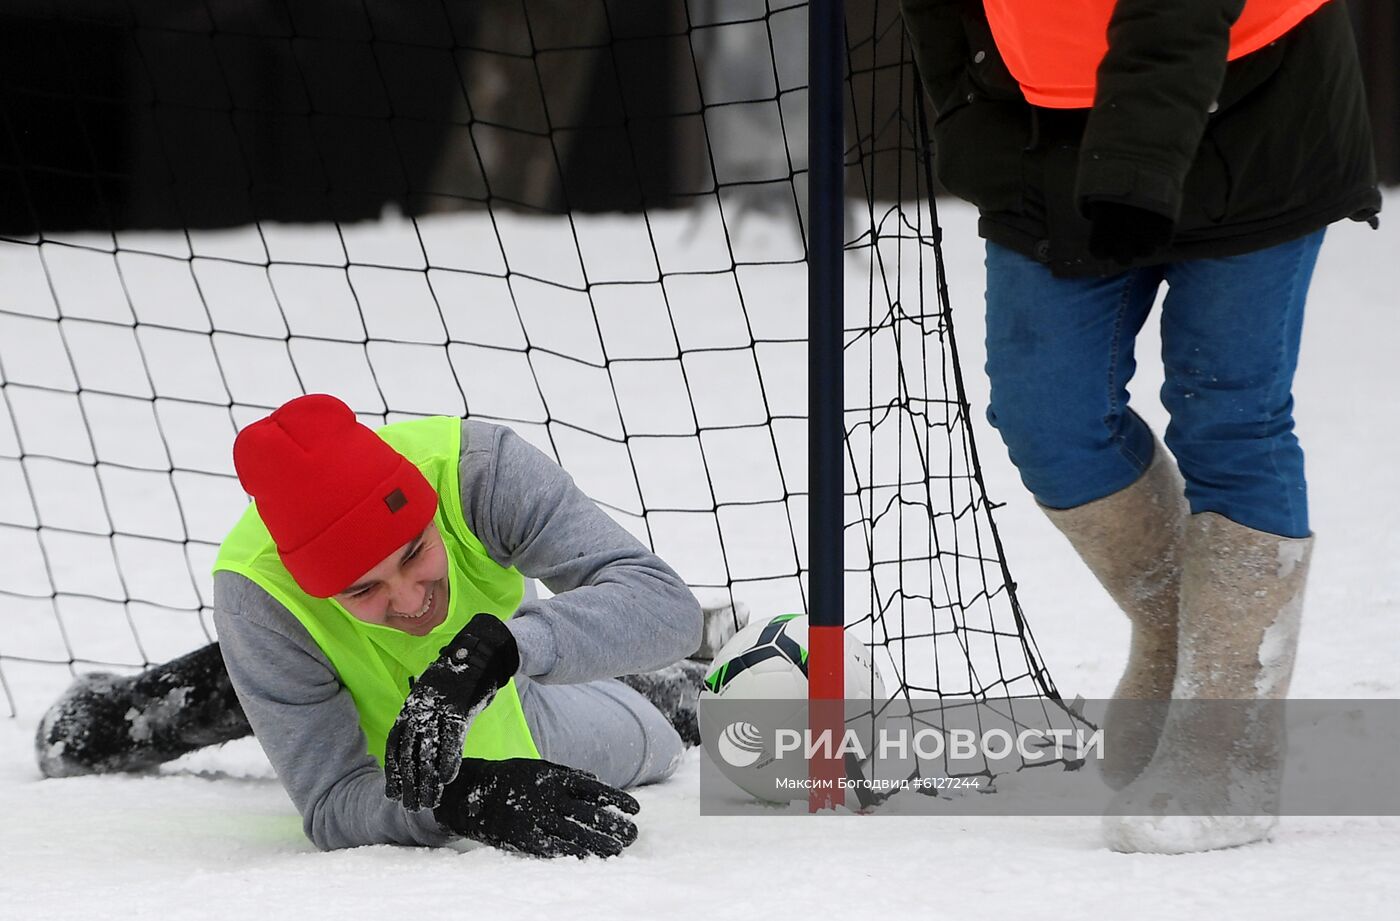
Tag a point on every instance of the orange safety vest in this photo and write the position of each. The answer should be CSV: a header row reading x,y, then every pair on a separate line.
x,y
1054,49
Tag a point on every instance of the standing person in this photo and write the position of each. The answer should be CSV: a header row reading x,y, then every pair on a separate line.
x,y
1112,146
374,628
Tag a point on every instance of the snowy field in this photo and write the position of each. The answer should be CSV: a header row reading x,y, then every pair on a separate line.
x,y
215,837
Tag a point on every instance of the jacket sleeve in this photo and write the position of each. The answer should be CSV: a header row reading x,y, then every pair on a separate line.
x,y
617,608
307,723
939,45
1164,68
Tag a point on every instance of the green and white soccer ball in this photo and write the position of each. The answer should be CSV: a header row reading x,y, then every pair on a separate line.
x,y
766,662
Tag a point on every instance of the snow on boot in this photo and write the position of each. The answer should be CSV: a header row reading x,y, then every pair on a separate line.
x,y
721,620
1132,542
675,691
105,723
1214,781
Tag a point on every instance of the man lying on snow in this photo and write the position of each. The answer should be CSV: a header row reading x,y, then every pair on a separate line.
x,y
371,626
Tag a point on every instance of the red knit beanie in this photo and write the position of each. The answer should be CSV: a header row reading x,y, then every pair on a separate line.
x,y
335,497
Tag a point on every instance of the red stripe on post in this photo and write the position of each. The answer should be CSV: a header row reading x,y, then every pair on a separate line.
x,y
826,715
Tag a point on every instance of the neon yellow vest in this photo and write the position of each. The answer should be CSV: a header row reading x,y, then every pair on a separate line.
x,y
375,662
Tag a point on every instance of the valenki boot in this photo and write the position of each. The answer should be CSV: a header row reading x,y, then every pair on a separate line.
x,y
105,723
1214,780
719,622
1132,542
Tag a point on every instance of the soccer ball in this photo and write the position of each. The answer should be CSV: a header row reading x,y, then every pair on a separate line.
x,y
767,661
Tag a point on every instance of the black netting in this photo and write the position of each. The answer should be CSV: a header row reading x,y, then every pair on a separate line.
x,y
581,219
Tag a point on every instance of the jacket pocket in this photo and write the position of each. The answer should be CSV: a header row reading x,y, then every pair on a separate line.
x,y
1205,197
1211,185
978,147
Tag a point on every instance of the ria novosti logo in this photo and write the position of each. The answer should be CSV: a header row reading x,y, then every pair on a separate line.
x,y
741,744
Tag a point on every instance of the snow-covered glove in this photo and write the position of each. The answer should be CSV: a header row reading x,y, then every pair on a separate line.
x,y
539,808
424,749
1125,234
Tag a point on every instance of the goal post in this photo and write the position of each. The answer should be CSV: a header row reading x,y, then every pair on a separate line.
x,y
826,195
592,222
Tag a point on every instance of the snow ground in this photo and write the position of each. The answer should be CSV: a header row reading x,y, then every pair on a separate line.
x,y
214,837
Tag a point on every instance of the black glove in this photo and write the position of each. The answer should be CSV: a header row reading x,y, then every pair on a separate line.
x,y
424,749
537,807
1125,234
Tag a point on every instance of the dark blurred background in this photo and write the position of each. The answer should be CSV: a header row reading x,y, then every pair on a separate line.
x,y
146,114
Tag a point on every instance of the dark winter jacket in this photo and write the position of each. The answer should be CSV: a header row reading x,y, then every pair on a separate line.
x,y
1242,155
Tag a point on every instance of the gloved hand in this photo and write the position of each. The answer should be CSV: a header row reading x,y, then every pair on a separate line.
x,y
538,808
424,749
1125,234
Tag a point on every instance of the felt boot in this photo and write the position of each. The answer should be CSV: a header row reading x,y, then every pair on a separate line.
x,y
105,723
1132,542
1214,780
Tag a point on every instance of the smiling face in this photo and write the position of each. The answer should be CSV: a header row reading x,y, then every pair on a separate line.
x,y
408,590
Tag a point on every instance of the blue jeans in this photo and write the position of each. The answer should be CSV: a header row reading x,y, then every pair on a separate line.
x,y
1060,356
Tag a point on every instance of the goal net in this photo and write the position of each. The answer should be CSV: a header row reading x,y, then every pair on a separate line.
x,y
583,220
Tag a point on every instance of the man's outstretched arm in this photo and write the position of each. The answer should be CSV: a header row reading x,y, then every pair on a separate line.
x,y
617,608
